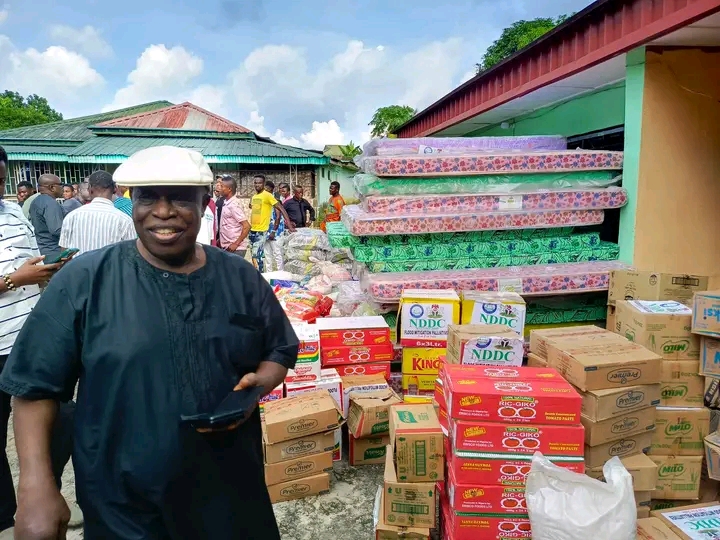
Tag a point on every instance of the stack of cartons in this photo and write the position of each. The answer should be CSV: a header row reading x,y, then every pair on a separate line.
x,y
694,522
484,344
498,418
368,424
414,463
298,436
424,318
506,309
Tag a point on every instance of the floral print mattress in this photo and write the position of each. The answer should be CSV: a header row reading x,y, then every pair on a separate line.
x,y
574,199
458,145
361,223
526,280
468,164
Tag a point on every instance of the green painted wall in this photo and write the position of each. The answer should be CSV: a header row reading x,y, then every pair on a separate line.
x,y
634,88
332,173
594,111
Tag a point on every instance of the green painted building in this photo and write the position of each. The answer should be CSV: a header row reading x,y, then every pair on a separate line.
x,y
73,149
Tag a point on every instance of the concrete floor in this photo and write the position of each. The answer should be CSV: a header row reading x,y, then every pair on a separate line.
x,y
345,512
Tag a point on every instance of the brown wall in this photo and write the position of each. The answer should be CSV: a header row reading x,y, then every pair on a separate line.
x,y
677,226
244,175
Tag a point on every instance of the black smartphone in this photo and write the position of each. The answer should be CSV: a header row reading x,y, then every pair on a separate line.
x,y
64,255
236,407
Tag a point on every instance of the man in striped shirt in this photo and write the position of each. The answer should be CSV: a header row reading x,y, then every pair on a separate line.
x,y
100,223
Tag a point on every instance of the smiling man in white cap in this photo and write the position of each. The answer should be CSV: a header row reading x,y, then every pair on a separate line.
x,y
140,472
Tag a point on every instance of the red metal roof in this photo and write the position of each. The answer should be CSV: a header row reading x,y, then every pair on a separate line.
x,y
601,31
183,116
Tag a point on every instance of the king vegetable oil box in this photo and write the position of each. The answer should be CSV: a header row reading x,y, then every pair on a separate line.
x,y
425,315
505,308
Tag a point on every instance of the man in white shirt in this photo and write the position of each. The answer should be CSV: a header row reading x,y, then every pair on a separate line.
x,y
99,223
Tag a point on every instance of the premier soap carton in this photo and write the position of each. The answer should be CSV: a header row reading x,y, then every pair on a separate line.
x,y
596,456
466,497
477,344
539,338
599,405
301,416
681,386
407,504
680,431
706,314
642,469
353,331
619,427
307,367
497,437
368,450
369,413
644,285
504,308
662,327
710,357
694,522
302,467
425,315
513,401
417,440
296,448
299,489
678,477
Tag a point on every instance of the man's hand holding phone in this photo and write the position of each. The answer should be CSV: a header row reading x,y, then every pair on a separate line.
x,y
32,272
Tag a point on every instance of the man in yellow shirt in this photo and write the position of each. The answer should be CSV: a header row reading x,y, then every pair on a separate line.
x,y
262,205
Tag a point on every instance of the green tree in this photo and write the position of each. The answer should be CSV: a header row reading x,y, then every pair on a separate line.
x,y
516,37
17,111
387,119
350,150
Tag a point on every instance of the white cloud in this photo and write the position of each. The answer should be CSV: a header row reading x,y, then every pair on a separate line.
x,y
161,73
323,133
4,13
256,123
87,40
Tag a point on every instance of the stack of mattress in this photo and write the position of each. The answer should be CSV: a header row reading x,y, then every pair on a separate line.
x,y
487,213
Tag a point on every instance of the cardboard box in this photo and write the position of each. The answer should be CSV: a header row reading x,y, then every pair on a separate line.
x,y
515,401
502,469
296,448
300,416
504,308
501,438
712,455
611,320
422,361
566,343
521,374
329,380
379,368
598,405
417,440
706,314
490,345
694,522
661,327
711,397
361,384
311,465
299,489
678,477
536,361
277,393
644,285
368,451
608,365
681,386
650,528
353,331
596,456
368,415
618,427
407,504
642,469
680,431
425,315
357,354
466,497
710,357
643,512
540,338
307,367
383,531
642,498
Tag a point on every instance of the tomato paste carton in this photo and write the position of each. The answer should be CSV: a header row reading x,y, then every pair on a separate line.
x,y
454,371
353,331
277,393
439,394
482,436
378,368
507,309
501,469
356,354
417,441
425,315
596,456
467,497
490,345
479,527
514,401
307,368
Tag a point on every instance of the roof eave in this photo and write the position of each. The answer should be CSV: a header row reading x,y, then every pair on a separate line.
x,y
259,160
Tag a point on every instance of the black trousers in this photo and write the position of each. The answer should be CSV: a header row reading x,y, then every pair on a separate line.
x,y
61,449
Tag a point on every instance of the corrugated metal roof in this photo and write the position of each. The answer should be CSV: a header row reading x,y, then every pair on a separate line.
x,y
183,116
117,149
37,153
75,129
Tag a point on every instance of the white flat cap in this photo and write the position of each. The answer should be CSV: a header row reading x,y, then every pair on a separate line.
x,y
164,166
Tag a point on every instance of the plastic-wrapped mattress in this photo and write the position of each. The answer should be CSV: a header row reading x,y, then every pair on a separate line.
x,y
576,199
526,280
361,223
459,145
530,162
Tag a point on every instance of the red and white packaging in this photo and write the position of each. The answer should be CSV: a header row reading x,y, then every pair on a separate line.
x,y
307,367
276,394
378,368
458,371
439,394
353,331
359,354
485,499
503,527
496,437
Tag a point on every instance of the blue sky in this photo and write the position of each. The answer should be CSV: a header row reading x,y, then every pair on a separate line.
x,y
307,73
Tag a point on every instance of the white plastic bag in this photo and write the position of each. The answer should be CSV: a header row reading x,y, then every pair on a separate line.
x,y
564,505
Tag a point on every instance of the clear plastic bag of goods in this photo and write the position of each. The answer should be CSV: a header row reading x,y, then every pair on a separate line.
x,y
564,505
320,284
306,254
307,239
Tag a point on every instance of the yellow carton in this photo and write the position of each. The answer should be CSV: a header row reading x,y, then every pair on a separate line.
x,y
422,361
504,308
425,315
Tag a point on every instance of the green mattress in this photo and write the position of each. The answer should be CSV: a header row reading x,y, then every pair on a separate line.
x,y
567,309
